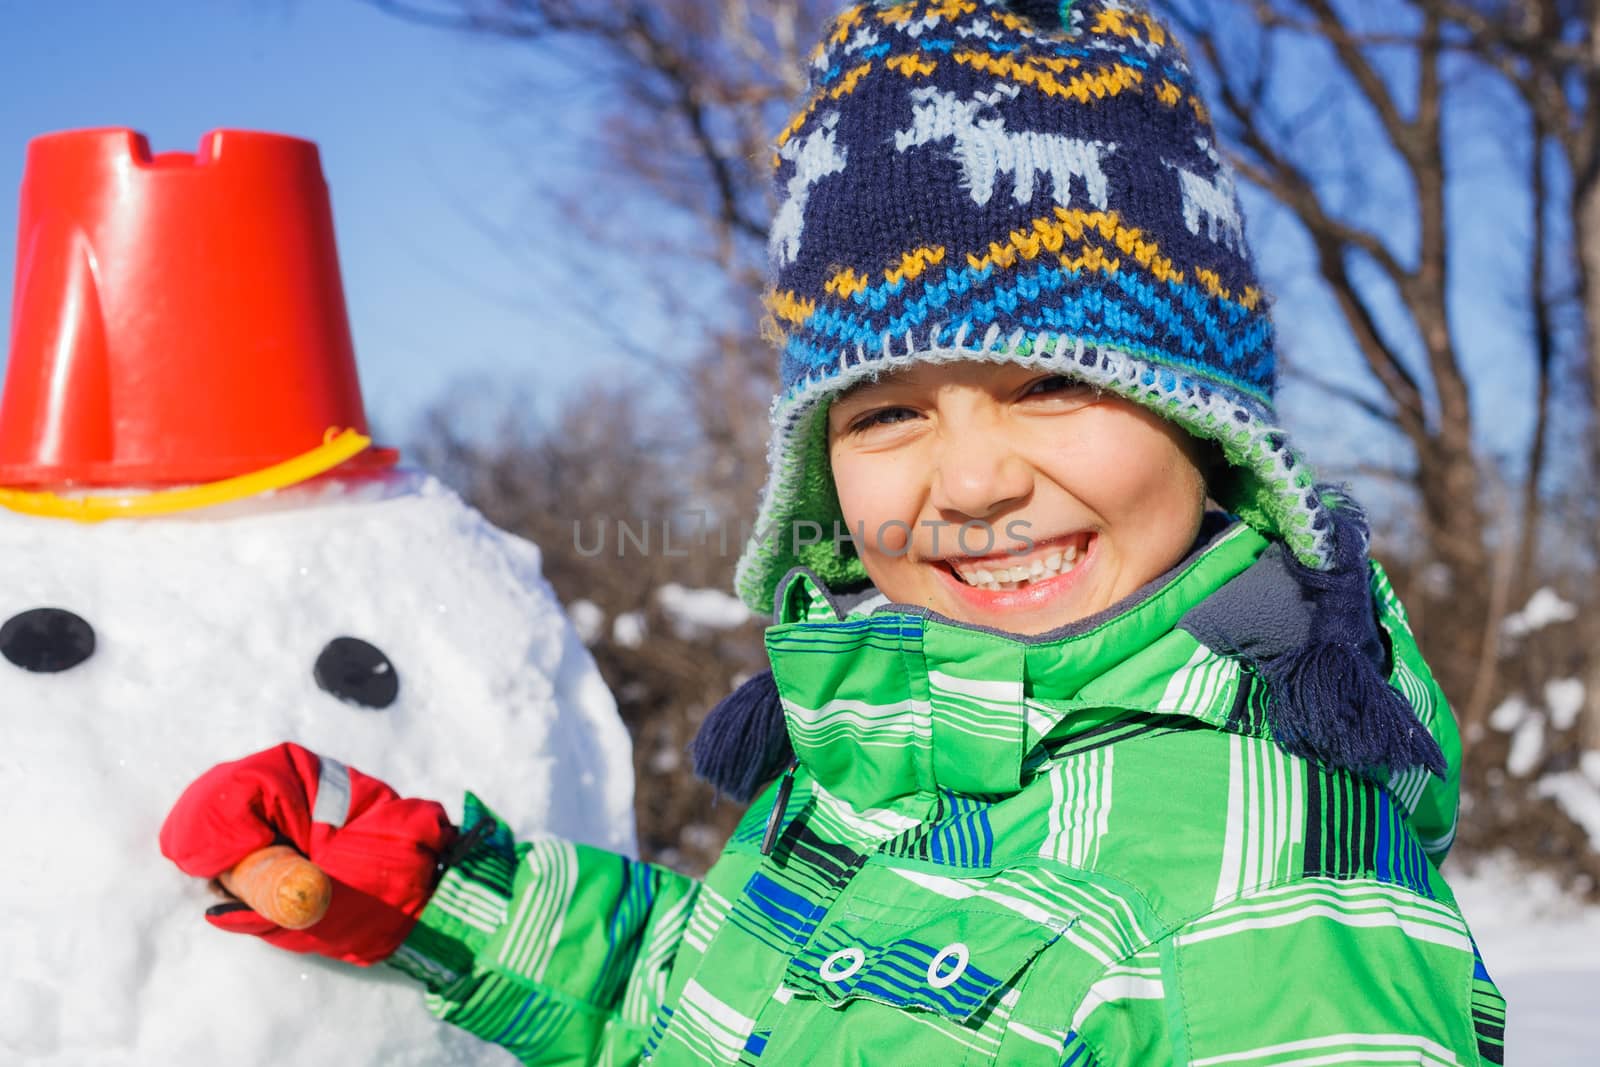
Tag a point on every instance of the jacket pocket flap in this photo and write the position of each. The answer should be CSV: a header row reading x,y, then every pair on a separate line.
x,y
952,961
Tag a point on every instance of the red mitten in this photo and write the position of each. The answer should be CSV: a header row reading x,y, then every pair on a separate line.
x,y
380,850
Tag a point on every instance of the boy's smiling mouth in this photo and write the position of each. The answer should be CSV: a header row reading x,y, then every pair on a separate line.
x,y
1004,572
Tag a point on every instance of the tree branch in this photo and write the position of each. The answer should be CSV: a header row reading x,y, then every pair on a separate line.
x,y
1402,132
1287,184
1285,181
1343,392
690,106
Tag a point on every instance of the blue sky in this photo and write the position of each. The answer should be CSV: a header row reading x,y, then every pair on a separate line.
x,y
415,159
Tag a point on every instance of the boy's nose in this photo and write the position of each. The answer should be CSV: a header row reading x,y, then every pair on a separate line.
x,y
978,474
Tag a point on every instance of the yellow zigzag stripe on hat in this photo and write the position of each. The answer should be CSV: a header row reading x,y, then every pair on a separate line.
x,y
1041,72
845,87
1112,21
847,282
1047,234
847,21
791,307
1051,235
911,64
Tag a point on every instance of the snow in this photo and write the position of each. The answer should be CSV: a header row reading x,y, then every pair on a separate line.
x,y
1578,797
1589,764
629,629
666,760
1544,608
1527,746
1564,697
587,619
696,612
1509,715
207,627
1436,579
1543,951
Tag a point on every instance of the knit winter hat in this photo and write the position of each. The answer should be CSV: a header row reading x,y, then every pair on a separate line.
x,y
1023,181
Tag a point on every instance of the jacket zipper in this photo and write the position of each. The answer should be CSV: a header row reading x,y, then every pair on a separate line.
x,y
775,820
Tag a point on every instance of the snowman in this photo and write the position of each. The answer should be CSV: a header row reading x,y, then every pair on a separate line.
x,y
202,555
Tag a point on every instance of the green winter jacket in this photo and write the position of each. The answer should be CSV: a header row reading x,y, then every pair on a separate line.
x,y
1082,851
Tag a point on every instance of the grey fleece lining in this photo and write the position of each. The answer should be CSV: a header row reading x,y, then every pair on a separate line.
x,y
1265,612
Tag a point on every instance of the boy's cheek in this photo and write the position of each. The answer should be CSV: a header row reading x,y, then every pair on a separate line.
x,y
878,508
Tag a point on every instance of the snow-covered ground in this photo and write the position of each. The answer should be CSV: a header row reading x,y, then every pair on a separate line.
x,y
1542,948
1543,951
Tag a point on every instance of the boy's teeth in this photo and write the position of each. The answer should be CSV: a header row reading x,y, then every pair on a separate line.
x,y
1011,577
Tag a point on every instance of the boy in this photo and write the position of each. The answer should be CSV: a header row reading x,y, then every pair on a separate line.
x,y
1073,770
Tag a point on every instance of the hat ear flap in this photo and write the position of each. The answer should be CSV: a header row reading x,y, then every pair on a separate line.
x,y
743,743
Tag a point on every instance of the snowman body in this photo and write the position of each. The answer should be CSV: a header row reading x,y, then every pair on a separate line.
x,y
208,629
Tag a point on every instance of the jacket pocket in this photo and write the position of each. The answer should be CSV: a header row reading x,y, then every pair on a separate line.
x,y
952,957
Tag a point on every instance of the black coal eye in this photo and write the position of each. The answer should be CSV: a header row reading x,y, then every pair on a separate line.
x,y
46,640
357,672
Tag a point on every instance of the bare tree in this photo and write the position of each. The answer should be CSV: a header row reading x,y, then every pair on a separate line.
x,y
693,91
1398,68
1549,50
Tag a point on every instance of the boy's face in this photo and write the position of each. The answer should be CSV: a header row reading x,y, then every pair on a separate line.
x,y
943,470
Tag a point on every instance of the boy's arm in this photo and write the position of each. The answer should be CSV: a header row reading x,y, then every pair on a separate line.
x,y
556,951
1318,971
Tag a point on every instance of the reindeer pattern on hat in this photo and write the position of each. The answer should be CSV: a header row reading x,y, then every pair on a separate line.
x,y
815,157
987,149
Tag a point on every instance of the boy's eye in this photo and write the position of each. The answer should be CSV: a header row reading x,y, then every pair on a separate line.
x,y
1061,387
881,417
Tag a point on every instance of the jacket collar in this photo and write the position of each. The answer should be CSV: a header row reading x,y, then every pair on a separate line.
x,y
887,704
